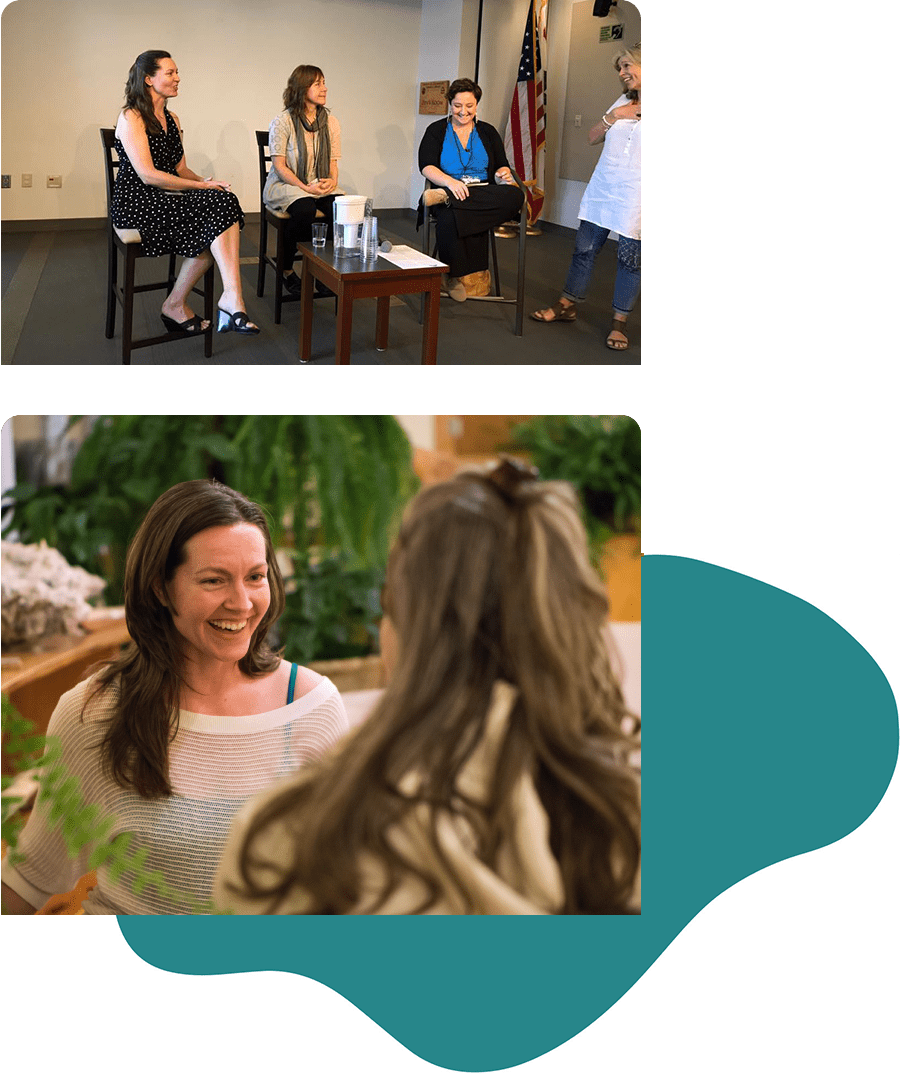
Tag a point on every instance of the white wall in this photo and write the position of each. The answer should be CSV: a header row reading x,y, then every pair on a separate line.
x,y
447,43
65,64
419,429
7,456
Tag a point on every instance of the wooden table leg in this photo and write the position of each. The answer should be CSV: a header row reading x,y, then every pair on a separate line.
x,y
344,326
306,311
381,322
430,326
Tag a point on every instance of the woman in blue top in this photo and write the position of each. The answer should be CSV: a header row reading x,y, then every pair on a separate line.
x,y
474,189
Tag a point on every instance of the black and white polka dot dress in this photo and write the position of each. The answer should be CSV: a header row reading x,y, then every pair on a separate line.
x,y
186,223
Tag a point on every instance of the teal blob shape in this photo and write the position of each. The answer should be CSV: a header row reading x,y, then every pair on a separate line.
x,y
771,732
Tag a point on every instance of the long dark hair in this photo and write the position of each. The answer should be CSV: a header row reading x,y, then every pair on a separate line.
x,y
137,94
483,585
148,676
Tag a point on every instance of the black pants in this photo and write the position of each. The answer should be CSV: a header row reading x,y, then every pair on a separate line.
x,y
462,226
299,227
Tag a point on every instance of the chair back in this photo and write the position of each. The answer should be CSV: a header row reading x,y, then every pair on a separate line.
x,y
108,137
265,160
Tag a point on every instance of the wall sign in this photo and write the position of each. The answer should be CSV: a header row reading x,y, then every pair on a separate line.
x,y
433,98
614,31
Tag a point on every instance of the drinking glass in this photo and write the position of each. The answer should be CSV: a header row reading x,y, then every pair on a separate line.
x,y
370,238
319,234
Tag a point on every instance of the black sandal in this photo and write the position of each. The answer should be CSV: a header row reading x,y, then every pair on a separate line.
x,y
192,325
238,322
293,283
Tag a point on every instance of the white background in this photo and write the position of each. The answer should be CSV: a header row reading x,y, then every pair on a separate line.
x,y
791,971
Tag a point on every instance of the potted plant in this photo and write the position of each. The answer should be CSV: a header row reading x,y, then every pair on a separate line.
x,y
601,456
333,487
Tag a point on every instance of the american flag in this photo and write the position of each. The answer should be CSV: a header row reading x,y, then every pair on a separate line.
x,y
524,139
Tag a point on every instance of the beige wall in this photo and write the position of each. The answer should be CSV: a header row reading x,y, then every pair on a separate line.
x,y
65,63
64,66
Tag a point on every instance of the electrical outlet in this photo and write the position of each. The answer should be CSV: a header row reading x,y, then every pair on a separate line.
x,y
54,181
26,179
7,181
578,121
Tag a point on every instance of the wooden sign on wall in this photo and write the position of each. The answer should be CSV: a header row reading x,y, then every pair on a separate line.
x,y
433,98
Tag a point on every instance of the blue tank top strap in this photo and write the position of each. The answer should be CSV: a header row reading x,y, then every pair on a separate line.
x,y
293,681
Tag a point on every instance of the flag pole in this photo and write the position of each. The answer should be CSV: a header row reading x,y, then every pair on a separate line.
x,y
478,41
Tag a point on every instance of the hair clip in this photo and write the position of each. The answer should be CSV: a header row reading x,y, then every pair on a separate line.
x,y
509,474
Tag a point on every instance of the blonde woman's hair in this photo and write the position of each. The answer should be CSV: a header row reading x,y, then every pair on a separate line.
x,y
632,54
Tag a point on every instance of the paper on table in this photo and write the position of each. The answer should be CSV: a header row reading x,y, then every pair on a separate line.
x,y
408,258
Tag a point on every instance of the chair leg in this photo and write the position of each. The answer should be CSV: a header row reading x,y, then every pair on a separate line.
x,y
111,274
520,283
128,306
172,273
263,243
209,283
279,270
496,267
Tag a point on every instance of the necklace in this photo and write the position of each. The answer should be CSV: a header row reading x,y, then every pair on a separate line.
x,y
464,164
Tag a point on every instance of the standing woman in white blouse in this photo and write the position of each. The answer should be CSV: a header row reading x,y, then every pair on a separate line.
x,y
198,714
611,203
305,147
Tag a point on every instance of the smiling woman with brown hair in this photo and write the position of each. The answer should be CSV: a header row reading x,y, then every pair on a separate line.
x,y
493,777
305,147
197,714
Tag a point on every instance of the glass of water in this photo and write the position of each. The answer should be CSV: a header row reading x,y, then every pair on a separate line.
x,y
319,234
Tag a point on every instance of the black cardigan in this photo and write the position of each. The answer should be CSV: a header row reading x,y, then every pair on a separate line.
x,y
433,143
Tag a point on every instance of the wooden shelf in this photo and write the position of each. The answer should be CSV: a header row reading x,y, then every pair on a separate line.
x,y
35,682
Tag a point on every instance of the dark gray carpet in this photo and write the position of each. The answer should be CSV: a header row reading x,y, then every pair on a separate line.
x,y
54,310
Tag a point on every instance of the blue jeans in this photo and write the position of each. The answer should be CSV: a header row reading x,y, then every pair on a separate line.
x,y
588,241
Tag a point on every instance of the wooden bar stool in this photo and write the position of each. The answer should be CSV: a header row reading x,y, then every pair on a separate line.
x,y
277,219
127,242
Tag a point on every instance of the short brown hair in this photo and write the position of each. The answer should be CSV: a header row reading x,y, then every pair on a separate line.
x,y
463,85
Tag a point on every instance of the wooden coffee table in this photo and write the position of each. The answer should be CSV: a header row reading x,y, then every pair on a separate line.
x,y
354,278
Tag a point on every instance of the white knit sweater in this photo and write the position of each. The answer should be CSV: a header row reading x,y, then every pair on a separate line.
x,y
215,764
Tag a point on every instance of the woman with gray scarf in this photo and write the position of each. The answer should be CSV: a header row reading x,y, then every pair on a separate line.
x,y
305,146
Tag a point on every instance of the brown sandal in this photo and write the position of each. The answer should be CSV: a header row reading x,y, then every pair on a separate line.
x,y
618,326
560,313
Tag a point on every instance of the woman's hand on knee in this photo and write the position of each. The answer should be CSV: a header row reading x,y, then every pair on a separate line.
x,y
503,175
458,189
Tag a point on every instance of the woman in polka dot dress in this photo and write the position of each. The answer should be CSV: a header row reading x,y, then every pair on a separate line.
x,y
201,223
